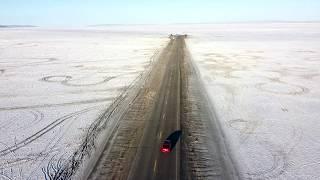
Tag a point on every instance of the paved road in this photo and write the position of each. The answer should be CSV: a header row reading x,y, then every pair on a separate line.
x,y
171,96
150,163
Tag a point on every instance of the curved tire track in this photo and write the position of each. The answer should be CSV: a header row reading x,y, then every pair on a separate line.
x,y
290,89
66,80
42,132
279,164
37,117
106,79
90,101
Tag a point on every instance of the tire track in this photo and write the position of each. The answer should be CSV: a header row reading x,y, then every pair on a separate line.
x,y
105,126
90,101
49,148
246,128
287,89
42,132
279,163
49,78
37,117
279,155
106,79
66,80
46,61
11,117
2,71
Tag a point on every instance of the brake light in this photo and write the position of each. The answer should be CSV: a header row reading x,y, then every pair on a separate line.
x,y
165,150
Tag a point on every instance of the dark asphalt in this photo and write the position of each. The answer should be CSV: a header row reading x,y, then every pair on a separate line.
x,y
171,99
150,163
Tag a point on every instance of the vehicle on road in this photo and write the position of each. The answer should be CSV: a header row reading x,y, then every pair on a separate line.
x,y
166,146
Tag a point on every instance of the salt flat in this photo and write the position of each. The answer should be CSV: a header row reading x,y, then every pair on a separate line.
x,y
263,80
54,84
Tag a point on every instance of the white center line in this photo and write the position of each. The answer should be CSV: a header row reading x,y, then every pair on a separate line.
x,y
155,166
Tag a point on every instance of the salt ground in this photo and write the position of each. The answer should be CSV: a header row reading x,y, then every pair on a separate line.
x,y
54,84
263,80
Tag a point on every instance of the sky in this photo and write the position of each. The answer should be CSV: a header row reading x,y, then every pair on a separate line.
x,y
92,12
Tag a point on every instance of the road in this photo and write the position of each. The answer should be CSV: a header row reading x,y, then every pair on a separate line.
x,y
133,151
150,163
170,99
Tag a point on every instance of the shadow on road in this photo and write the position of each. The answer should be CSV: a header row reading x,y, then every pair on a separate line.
x,y
174,138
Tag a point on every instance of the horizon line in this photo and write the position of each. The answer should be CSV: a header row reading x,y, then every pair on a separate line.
x,y
177,23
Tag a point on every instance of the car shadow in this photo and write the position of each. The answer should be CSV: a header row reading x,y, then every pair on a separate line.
x,y
174,138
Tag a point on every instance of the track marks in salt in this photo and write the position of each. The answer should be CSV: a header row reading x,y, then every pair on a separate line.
x,y
42,132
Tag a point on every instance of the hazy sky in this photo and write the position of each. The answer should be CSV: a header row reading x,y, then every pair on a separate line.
x,y
89,12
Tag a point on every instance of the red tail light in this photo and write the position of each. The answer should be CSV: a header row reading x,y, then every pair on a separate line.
x,y
165,150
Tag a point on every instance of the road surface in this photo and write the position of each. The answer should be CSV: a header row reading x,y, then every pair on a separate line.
x,y
150,163
169,101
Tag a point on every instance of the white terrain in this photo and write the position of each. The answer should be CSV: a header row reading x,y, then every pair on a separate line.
x,y
54,84
264,83
263,80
